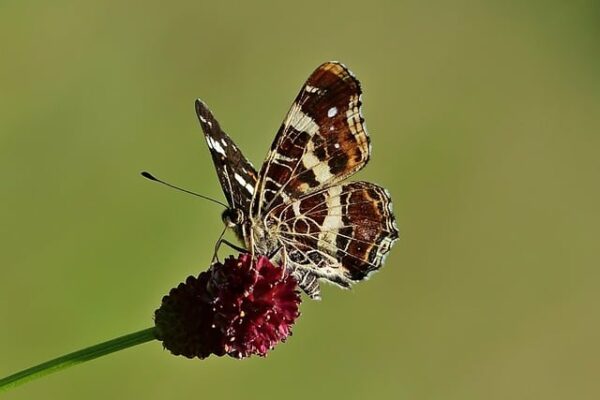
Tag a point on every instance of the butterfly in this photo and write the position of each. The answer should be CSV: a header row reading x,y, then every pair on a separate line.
x,y
296,208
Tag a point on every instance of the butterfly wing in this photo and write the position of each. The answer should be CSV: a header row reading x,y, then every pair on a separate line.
x,y
342,233
236,174
327,230
321,141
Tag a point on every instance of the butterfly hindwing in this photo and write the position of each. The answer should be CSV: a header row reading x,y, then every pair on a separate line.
x,y
321,141
341,233
236,174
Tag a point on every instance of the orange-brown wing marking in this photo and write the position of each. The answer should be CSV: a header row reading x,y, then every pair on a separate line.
x,y
321,141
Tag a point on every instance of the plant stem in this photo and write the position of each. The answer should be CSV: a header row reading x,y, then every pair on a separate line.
x,y
77,357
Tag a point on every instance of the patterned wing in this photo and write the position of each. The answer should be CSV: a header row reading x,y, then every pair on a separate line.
x,y
236,173
321,141
341,233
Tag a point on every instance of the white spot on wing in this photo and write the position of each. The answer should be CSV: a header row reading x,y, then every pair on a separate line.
x,y
240,180
296,208
213,144
321,169
282,157
360,108
243,183
311,161
332,112
333,220
300,121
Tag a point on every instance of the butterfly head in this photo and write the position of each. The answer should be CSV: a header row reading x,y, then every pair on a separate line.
x,y
232,217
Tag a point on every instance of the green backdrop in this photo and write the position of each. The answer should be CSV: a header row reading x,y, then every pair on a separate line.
x,y
484,119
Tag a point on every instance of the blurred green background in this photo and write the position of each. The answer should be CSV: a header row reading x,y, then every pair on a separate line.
x,y
484,119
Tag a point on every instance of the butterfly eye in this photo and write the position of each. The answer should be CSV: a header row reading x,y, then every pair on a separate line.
x,y
228,218
232,217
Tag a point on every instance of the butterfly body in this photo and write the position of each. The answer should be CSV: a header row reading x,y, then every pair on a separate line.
x,y
296,208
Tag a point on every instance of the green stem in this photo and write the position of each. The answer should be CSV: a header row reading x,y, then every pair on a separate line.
x,y
77,357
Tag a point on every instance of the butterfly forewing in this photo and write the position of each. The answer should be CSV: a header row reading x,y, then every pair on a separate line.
x,y
321,141
236,174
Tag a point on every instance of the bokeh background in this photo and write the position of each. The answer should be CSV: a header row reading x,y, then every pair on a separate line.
x,y
485,122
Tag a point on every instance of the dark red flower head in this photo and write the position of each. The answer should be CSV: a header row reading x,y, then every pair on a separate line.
x,y
238,308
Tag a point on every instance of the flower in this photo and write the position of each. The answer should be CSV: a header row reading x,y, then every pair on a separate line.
x,y
239,308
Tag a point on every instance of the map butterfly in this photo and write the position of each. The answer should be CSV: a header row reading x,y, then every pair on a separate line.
x,y
296,208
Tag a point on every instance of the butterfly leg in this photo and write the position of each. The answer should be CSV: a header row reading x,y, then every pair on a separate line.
x,y
233,246
215,257
228,243
274,253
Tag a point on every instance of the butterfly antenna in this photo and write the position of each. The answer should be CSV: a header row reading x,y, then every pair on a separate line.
x,y
151,177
